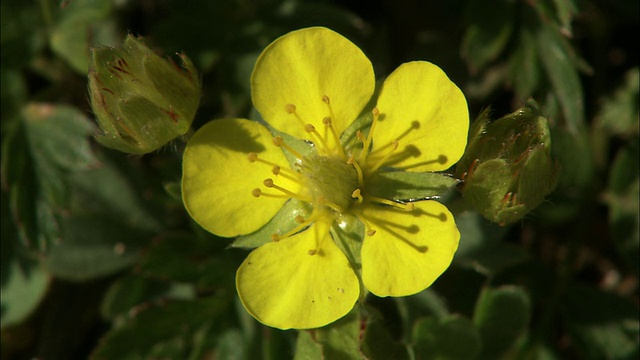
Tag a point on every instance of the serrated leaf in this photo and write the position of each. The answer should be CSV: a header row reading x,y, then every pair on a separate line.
x,y
404,185
501,316
442,338
104,227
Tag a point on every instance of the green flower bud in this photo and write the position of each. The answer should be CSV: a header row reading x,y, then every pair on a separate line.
x,y
141,101
507,167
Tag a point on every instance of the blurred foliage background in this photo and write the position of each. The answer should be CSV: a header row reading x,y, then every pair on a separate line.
x,y
100,260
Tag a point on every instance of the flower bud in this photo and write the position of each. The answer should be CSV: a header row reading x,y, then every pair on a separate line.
x,y
507,167
141,101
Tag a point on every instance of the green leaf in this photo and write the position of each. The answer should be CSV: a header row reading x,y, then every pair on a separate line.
x,y
24,284
127,292
443,338
307,348
622,197
378,344
81,24
339,340
188,259
163,331
281,223
46,144
619,113
488,32
404,185
563,75
501,316
603,325
524,65
105,226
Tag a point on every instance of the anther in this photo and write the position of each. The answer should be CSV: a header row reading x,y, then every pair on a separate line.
x,y
312,252
275,237
371,232
309,128
268,182
357,194
299,219
326,121
325,98
278,141
275,170
375,111
252,157
256,192
290,108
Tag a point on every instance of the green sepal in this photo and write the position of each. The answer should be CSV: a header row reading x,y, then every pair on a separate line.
x,y
281,223
409,186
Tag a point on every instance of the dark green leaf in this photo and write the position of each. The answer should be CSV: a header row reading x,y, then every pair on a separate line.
x,y
501,316
488,33
452,337
619,114
81,24
563,75
161,331
604,325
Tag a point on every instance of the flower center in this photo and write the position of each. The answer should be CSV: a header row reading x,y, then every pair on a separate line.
x,y
330,180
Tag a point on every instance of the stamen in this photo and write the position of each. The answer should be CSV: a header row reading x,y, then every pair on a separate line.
x,y
383,160
327,122
351,161
367,141
321,200
303,223
268,182
276,170
402,206
357,194
258,193
291,110
414,126
367,225
312,129
279,142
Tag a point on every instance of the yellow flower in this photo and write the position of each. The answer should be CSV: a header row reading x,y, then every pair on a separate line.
x,y
311,84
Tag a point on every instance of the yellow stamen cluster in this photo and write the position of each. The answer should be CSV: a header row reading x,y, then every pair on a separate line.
x,y
330,180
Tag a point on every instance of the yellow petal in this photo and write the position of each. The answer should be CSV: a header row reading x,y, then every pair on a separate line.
x,y
218,178
302,67
409,249
283,286
426,113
